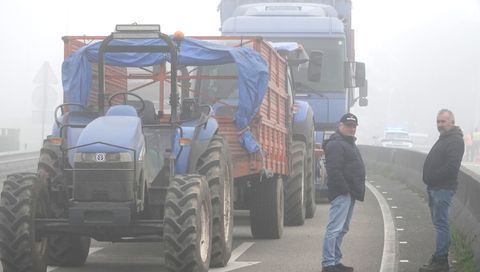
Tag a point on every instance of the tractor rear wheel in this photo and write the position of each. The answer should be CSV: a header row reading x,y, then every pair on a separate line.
x,y
24,198
216,165
63,249
188,225
295,205
266,210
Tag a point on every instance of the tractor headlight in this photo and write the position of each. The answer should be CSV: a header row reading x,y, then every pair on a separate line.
x,y
103,157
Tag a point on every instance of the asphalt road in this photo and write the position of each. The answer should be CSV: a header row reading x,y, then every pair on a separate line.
x,y
407,233
299,249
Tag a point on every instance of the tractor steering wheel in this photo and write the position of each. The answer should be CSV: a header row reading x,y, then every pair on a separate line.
x,y
125,94
62,107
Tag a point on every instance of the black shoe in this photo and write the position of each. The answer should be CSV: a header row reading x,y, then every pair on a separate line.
x,y
331,268
436,265
344,268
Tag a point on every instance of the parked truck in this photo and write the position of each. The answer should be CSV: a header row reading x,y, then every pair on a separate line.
x,y
324,28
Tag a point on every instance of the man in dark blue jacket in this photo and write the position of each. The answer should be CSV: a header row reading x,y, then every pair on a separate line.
x,y
440,172
346,184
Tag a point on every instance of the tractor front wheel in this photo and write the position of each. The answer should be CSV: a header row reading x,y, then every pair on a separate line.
x,y
188,225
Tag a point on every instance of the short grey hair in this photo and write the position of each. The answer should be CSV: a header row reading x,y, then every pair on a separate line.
x,y
450,114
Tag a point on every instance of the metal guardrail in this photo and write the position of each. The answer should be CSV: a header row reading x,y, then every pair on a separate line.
x,y
14,162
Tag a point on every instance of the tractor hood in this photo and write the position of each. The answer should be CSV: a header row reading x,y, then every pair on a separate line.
x,y
112,134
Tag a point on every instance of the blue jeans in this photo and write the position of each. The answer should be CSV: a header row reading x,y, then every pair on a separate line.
x,y
339,218
439,202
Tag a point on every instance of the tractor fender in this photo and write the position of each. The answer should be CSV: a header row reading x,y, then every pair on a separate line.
x,y
201,137
302,121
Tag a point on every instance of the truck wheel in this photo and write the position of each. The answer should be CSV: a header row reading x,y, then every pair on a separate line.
x,y
216,165
64,249
266,211
311,206
295,205
188,225
24,198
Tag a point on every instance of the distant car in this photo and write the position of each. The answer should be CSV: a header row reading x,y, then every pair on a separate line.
x,y
397,138
421,141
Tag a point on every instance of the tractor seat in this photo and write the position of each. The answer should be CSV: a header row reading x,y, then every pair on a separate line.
x,y
149,115
121,110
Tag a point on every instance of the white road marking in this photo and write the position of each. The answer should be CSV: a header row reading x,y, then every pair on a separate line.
x,y
404,261
232,263
399,217
389,244
389,199
92,250
394,207
403,242
400,229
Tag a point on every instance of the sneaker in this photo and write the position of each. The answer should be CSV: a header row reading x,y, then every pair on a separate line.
x,y
344,268
435,266
331,268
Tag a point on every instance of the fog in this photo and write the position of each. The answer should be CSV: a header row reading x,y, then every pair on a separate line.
x,y
421,56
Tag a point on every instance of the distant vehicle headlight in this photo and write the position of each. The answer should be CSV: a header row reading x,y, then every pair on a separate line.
x,y
103,157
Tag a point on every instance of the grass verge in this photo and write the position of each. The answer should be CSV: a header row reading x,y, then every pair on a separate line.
x,y
461,253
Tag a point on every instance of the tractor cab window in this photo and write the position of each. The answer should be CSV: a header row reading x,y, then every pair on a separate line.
x,y
219,82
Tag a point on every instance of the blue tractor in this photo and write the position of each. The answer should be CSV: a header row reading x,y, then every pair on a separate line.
x,y
125,172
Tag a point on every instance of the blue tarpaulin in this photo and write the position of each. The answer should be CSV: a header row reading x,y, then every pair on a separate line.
x,y
252,73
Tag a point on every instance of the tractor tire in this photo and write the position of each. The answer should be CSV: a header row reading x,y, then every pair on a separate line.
x,y
24,198
188,225
267,207
310,163
216,165
295,204
68,250
63,249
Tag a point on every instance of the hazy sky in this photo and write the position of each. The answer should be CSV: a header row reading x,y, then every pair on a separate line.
x,y
421,55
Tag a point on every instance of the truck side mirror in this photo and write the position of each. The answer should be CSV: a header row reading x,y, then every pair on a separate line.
x,y
359,74
348,74
363,102
315,66
363,91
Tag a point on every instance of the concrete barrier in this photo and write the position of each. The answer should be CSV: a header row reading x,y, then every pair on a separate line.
x,y
407,166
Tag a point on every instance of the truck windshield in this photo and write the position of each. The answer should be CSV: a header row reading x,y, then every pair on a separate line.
x,y
332,78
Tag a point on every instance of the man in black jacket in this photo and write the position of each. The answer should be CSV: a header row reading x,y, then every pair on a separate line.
x,y
440,172
346,184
